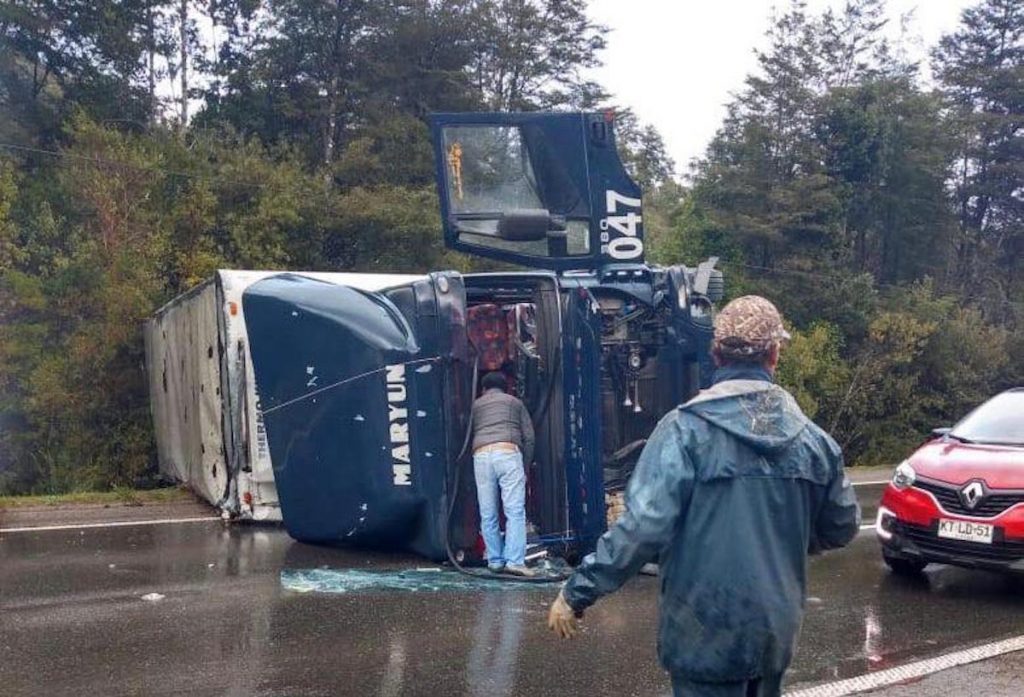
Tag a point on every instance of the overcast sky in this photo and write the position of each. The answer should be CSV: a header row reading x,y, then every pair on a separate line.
x,y
675,62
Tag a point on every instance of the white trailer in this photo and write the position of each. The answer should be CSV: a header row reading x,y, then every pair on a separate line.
x,y
206,413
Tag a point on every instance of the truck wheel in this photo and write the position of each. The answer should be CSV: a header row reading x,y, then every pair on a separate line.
x,y
904,567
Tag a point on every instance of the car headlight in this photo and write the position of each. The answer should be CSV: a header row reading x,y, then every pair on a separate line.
x,y
904,476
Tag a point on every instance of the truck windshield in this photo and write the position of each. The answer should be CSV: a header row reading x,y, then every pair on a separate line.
x,y
999,421
489,171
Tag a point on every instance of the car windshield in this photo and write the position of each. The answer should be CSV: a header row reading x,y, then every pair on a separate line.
x,y
1000,421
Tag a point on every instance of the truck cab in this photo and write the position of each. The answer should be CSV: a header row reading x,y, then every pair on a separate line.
x,y
366,397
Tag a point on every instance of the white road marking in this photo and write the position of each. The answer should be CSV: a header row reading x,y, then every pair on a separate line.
x,y
126,523
910,671
167,521
117,524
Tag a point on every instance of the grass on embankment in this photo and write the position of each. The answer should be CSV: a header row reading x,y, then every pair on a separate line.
x,y
117,497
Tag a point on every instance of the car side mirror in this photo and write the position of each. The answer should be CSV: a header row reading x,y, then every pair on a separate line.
x,y
529,225
941,432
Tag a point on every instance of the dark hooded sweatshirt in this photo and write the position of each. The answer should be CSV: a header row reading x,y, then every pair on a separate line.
x,y
731,492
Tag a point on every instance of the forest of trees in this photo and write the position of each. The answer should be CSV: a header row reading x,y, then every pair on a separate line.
x,y
145,143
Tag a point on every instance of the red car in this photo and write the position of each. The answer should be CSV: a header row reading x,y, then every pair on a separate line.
x,y
960,498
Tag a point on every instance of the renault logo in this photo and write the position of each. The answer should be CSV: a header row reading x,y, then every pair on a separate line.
x,y
972,494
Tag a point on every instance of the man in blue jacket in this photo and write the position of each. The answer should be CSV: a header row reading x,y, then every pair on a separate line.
x,y
731,493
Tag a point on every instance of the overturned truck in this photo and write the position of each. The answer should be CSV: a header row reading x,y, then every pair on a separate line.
x,y
340,403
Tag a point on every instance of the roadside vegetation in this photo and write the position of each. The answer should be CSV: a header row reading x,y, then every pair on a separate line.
x,y
118,496
139,151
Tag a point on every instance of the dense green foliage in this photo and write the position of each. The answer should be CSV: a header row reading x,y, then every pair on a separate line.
x,y
885,219
140,150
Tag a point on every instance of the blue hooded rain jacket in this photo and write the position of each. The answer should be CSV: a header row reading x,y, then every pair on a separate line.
x,y
730,494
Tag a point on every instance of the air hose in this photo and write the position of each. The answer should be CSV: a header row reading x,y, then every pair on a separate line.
x,y
453,493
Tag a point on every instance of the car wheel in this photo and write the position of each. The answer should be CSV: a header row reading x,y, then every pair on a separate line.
x,y
904,567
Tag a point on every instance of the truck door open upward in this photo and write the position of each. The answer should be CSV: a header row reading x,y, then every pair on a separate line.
x,y
541,190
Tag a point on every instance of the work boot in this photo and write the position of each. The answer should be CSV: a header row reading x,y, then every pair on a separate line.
x,y
516,570
496,568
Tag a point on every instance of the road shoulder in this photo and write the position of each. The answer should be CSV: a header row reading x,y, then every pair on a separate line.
x,y
59,514
995,677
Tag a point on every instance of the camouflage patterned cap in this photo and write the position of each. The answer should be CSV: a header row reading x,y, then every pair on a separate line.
x,y
748,326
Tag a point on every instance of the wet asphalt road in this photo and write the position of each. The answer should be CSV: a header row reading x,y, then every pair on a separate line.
x,y
73,622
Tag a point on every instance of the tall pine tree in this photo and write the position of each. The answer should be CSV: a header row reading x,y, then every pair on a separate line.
x,y
981,70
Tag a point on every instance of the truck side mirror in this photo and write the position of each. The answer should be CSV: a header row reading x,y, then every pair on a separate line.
x,y
941,432
529,225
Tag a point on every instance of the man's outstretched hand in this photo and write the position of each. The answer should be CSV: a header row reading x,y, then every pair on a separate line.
x,y
562,618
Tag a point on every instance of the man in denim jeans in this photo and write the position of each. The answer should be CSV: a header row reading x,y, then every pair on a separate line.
x,y
502,443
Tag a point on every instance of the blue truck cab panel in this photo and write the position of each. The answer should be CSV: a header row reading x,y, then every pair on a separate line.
x,y
366,396
501,175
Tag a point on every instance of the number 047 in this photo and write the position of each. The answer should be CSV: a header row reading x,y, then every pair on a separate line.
x,y
628,246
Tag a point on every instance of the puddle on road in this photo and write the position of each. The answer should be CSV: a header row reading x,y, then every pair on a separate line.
x,y
408,581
